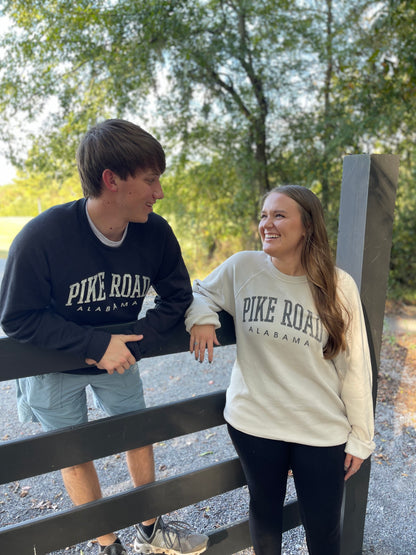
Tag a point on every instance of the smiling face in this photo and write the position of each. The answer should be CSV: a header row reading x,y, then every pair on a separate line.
x,y
282,232
137,194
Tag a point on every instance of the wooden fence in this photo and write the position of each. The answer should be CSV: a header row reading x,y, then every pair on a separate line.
x,y
364,242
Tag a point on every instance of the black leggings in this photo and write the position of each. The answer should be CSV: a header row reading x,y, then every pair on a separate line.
x,y
319,479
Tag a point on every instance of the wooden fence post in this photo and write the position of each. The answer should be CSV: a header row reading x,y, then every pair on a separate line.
x,y
364,242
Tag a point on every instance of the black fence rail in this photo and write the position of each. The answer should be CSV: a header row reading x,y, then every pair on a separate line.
x,y
364,241
55,450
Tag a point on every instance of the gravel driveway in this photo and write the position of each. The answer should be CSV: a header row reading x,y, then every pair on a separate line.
x,y
391,512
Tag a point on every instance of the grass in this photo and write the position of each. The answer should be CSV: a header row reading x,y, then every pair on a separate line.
x,y
9,228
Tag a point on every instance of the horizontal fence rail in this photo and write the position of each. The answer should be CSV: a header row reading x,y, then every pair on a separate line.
x,y
18,360
52,451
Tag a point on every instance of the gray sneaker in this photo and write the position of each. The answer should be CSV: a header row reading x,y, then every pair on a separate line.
x,y
172,538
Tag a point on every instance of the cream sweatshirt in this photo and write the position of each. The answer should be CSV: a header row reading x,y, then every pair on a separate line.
x,y
281,386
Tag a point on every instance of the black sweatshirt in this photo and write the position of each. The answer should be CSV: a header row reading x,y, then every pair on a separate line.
x,y
61,281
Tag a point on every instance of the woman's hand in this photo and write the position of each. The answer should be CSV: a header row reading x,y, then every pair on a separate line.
x,y
203,337
351,465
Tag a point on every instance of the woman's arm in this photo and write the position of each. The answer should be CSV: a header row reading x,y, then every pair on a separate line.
x,y
354,365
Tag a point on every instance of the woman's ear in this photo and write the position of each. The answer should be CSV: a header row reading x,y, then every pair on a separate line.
x,y
110,180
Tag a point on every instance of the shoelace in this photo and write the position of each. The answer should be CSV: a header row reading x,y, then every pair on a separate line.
x,y
175,528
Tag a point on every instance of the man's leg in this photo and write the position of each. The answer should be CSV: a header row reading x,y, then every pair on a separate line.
x,y
57,401
118,394
141,465
81,483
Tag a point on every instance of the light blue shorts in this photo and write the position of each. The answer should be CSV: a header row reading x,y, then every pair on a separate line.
x,y
60,400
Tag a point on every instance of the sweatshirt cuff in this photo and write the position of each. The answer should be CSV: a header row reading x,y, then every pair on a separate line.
x,y
202,320
98,344
359,448
135,349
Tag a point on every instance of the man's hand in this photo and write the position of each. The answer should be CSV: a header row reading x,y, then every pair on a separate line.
x,y
203,337
117,357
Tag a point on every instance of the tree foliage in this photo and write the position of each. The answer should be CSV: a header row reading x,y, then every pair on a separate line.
x,y
30,195
244,94
225,63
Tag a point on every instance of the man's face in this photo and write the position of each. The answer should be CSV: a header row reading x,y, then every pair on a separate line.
x,y
138,194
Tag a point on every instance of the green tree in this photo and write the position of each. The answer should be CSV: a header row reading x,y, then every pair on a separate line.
x,y
230,72
245,94
379,85
29,195
208,220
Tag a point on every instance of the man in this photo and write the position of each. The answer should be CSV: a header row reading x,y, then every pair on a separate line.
x,y
90,263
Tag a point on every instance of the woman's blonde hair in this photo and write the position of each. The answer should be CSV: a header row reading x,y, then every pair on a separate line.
x,y
317,260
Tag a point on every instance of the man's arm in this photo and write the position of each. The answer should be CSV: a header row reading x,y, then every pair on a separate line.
x,y
174,295
27,314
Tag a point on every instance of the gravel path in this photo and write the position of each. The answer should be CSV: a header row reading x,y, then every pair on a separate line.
x,y
391,513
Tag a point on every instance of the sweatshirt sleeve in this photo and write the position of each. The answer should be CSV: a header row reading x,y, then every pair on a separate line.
x,y
354,365
213,294
174,295
26,310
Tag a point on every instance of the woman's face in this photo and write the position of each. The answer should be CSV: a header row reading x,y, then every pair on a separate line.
x,y
282,232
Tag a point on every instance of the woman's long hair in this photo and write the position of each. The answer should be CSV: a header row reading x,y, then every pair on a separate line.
x,y
317,261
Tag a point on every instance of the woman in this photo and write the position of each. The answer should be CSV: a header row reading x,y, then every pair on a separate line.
x,y
300,392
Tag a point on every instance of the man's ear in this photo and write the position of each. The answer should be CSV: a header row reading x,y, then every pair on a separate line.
x,y
110,180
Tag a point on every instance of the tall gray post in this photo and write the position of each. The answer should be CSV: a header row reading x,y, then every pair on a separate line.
x,y
368,195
